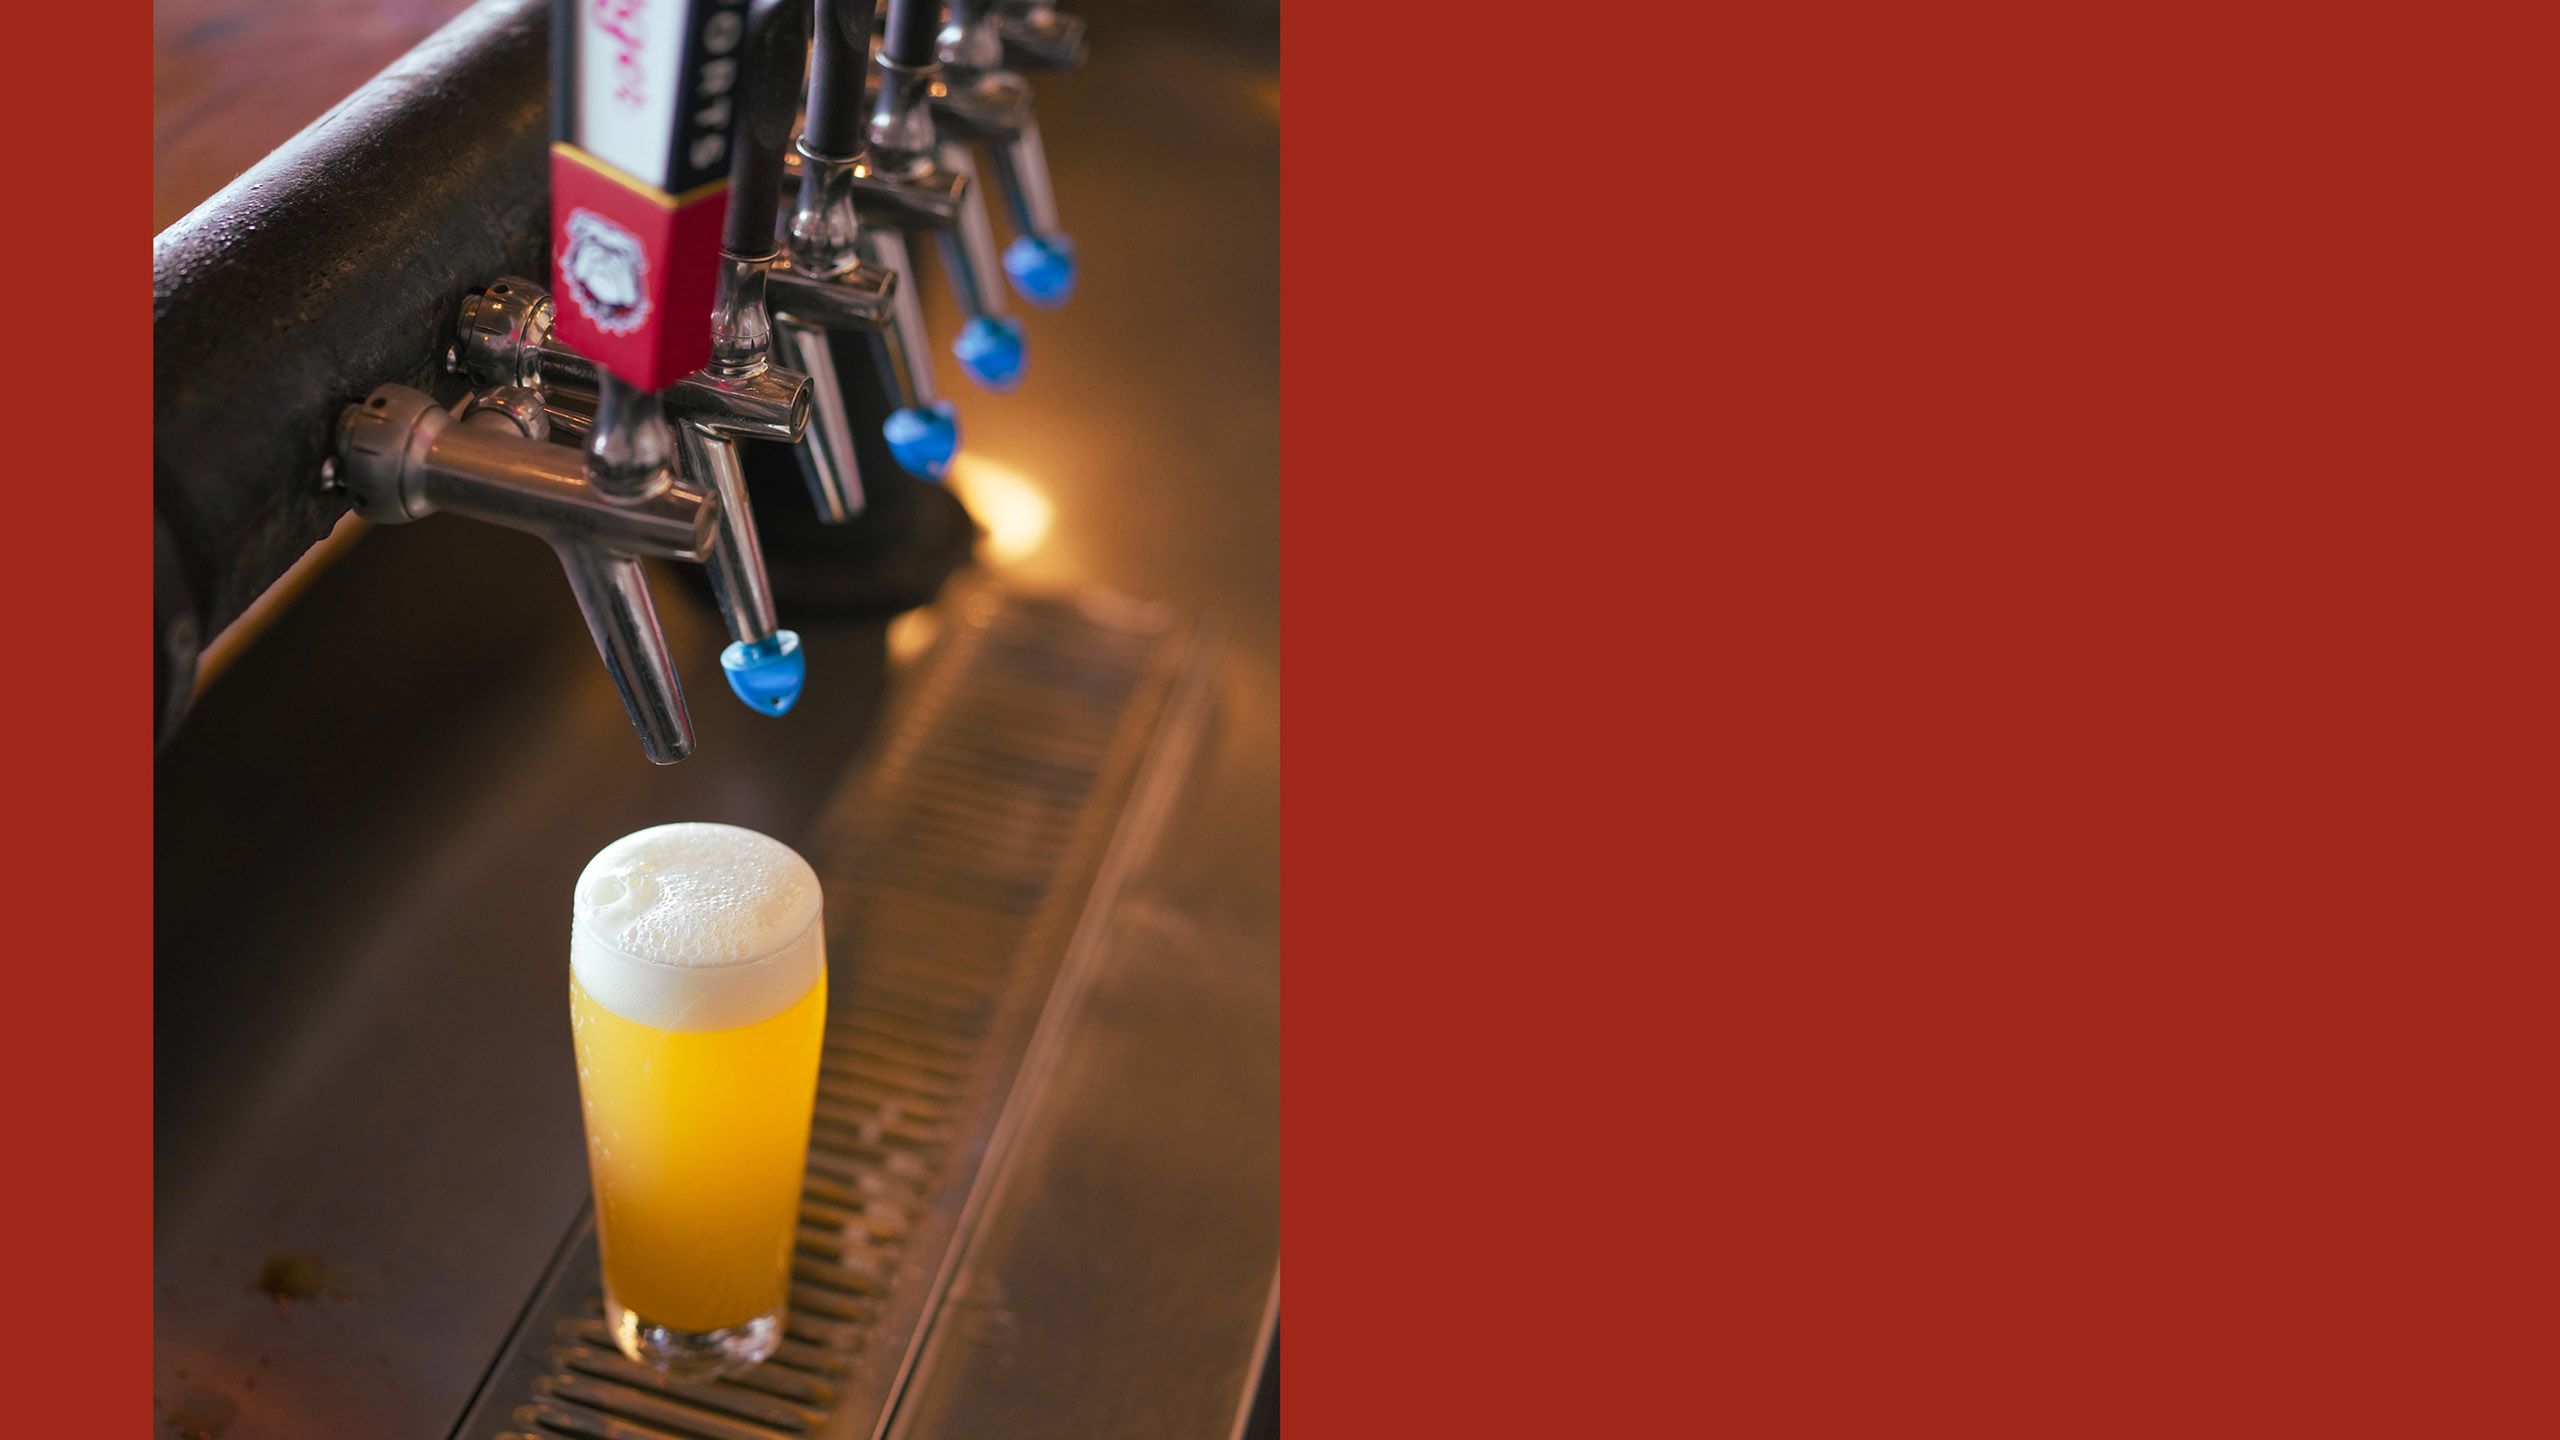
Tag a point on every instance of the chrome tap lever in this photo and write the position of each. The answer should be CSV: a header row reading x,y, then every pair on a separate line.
x,y
828,462
856,205
693,424
1041,261
989,345
887,210
823,284
904,142
983,101
923,433
978,99
762,662
402,458
863,297
808,303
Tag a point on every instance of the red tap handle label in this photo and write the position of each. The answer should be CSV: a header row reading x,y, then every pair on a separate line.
x,y
639,166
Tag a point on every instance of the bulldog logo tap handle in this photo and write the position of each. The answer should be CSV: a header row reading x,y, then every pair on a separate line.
x,y
648,120
641,104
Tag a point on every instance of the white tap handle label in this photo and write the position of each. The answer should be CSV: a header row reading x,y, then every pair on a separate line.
x,y
630,74
652,85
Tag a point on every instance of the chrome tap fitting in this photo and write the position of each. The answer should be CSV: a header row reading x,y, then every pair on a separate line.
x,y
401,458
823,284
741,328
506,339
907,150
762,662
1037,35
969,44
888,204
900,131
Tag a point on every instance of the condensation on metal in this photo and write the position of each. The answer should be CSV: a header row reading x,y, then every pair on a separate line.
x,y
956,865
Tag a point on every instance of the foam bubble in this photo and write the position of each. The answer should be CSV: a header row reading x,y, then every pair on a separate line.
x,y
696,926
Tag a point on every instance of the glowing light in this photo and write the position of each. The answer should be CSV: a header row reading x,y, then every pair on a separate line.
x,y
912,634
1014,512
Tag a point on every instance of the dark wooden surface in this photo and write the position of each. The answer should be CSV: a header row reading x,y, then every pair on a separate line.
x,y
232,79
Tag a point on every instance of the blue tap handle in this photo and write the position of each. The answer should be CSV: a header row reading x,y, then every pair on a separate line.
x,y
1042,267
990,349
923,438
767,674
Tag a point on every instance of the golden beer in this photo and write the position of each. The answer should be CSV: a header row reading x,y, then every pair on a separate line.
x,y
697,996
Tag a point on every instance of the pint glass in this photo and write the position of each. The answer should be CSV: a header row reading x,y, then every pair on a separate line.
x,y
697,995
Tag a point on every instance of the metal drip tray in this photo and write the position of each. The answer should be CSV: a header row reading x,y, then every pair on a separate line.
x,y
965,868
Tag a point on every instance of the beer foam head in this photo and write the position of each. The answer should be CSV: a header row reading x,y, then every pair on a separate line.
x,y
697,927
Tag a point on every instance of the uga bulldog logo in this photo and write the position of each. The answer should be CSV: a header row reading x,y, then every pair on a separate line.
x,y
606,273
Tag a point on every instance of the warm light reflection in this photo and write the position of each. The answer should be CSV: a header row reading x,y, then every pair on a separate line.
x,y
1005,501
912,634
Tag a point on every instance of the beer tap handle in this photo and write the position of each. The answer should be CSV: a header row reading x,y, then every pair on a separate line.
x,y
994,106
763,662
764,666
839,65
990,345
924,433
640,176
826,267
909,32
768,99
1041,261
831,233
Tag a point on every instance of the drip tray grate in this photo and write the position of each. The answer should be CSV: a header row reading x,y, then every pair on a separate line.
x,y
957,866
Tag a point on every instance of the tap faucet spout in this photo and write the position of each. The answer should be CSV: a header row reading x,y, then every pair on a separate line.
x,y
401,458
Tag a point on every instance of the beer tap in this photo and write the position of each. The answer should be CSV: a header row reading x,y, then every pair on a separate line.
x,y
981,100
822,282
893,193
656,249
506,338
401,457
905,142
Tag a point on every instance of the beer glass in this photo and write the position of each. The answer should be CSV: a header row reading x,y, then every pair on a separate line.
x,y
697,996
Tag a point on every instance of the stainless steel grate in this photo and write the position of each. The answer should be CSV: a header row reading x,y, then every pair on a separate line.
x,y
957,866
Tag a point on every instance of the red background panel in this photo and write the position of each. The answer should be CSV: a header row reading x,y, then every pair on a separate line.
x,y
75,726
1919,720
